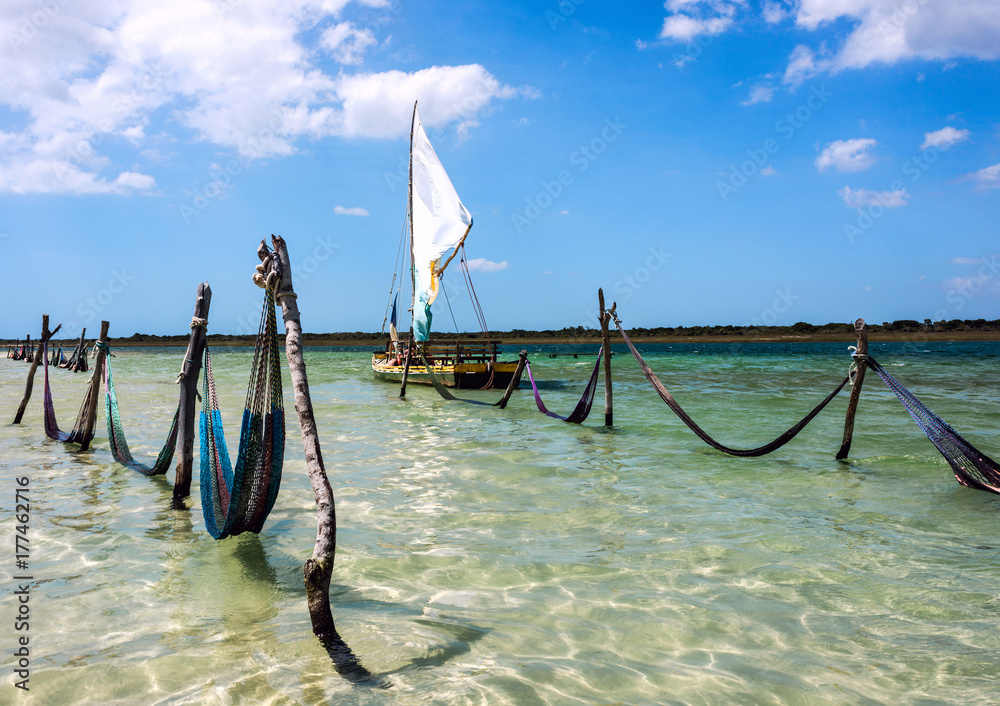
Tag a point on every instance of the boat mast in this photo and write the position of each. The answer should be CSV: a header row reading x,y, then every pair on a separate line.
x,y
413,274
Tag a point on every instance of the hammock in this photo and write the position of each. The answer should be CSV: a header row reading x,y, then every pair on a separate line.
x,y
582,410
672,403
237,501
52,430
116,434
972,467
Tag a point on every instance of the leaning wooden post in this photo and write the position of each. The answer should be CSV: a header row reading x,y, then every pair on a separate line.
x,y
318,569
605,317
861,358
406,365
95,389
188,380
514,380
46,335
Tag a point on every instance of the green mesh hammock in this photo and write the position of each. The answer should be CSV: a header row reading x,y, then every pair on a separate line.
x,y
116,434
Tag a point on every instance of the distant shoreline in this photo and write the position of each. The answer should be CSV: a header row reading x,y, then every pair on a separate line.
x,y
338,340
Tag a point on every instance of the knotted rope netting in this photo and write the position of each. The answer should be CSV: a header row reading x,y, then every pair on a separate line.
x,y
972,467
237,501
77,435
582,410
116,433
701,433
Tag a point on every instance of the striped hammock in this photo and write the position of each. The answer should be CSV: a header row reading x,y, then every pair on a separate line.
x,y
238,500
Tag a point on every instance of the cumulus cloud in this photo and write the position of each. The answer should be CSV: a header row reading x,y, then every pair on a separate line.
x,y
479,264
847,155
859,198
103,73
944,138
988,178
759,94
352,211
875,31
691,18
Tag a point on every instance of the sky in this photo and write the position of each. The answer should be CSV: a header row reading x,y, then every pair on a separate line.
x,y
705,162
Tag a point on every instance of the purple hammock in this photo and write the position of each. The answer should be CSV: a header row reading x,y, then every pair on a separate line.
x,y
582,410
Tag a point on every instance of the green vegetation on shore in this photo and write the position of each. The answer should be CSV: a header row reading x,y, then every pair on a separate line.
x,y
955,329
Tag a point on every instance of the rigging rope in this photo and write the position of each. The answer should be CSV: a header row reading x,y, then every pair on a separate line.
x,y
972,467
238,500
582,410
703,435
116,433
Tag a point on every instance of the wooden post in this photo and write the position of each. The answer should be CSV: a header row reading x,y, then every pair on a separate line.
x,y
75,367
46,335
29,355
318,569
605,317
406,365
522,357
188,381
95,389
862,331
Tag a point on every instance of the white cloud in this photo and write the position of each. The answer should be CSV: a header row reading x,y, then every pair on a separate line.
x,y
352,211
859,198
874,31
684,28
479,264
847,155
966,261
346,42
802,65
774,12
944,138
689,20
769,171
759,94
988,178
235,74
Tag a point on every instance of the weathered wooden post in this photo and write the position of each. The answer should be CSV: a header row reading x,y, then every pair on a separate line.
x,y
515,379
95,390
75,362
188,381
46,335
605,317
29,355
852,406
318,569
406,365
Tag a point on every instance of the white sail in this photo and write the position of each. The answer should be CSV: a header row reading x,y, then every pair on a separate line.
x,y
439,224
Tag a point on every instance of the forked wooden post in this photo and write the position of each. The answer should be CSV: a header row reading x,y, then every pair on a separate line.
x,y
95,389
605,317
318,569
46,335
188,381
852,407
515,379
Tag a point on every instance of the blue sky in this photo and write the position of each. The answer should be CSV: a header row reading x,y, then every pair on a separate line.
x,y
704,161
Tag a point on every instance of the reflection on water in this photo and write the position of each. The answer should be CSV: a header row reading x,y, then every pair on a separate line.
x,y
500,556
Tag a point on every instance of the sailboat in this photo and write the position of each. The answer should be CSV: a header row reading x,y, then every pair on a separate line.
x,y
437,224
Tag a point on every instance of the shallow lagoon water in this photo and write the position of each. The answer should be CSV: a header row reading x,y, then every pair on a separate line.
x,y
501,556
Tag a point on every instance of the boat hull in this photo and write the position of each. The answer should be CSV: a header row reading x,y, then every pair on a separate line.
x,y
464,376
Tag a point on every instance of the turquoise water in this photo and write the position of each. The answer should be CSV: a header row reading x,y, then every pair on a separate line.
x,y
503,557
